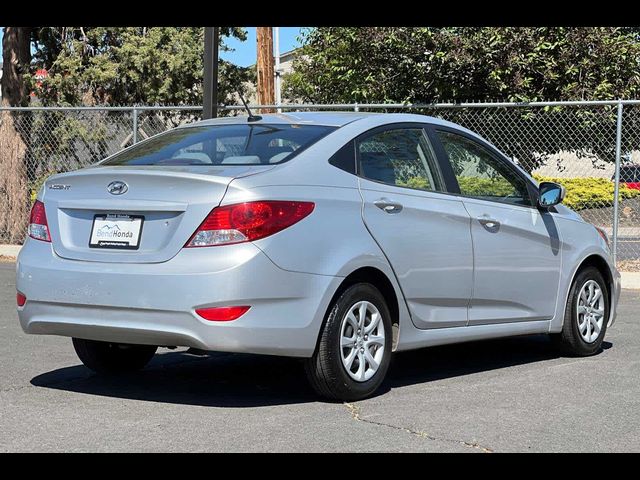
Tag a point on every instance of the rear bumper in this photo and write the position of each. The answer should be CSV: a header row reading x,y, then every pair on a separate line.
x,y
155,303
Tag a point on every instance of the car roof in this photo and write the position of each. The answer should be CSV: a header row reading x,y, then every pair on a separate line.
x,y
331,118
335,119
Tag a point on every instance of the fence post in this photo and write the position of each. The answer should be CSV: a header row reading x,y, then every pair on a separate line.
x,y
616,188
135,125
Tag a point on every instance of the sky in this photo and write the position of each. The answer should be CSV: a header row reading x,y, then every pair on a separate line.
x,y
244,53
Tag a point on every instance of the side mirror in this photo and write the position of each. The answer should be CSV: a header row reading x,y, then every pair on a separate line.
x,y
550,194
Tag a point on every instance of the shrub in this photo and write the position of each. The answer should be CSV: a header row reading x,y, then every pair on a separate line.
x,y
488,187
589,192
420,183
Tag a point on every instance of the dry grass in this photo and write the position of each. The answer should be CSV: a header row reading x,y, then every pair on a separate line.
x,y
5,259
629,265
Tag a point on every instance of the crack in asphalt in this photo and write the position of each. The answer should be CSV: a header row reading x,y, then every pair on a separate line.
x,y
354,410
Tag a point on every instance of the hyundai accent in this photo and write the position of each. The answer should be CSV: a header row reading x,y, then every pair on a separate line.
x,y
338,238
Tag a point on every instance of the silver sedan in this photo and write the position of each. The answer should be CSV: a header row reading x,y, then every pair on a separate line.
x,y
338,238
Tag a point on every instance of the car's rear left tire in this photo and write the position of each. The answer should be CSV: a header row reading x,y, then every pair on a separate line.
x,y
586,315
113,358
354,349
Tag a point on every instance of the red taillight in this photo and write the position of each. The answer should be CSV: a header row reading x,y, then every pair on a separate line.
x,y
245,222
38,227
21,299
222,314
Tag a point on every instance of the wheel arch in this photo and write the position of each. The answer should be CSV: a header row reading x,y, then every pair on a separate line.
x,y
602,265
597,261
381,281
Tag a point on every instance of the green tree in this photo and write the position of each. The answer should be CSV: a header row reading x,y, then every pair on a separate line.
x,y
424,65
128,65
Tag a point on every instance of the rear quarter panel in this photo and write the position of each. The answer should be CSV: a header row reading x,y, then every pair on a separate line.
x,y
330,241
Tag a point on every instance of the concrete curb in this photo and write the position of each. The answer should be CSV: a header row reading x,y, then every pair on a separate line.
x,y
10,250
630,280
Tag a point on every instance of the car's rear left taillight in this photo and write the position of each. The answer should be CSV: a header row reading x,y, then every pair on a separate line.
x,y
21,299
245,222
38,227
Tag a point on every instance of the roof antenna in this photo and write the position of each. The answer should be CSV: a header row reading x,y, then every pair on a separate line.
x,y
252,117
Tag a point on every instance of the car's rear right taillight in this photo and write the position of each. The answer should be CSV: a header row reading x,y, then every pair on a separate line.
x,y
38,227
245,222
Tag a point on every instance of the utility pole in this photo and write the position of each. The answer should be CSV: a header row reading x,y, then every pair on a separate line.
x,y
264,65
210,86
278,73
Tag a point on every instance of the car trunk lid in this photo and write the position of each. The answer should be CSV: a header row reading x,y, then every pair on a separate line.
x,y
170,203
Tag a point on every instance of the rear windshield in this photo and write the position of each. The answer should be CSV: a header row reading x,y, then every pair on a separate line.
x,y
222,145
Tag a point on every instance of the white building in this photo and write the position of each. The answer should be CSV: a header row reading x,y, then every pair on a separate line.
x,y
286,67
286,61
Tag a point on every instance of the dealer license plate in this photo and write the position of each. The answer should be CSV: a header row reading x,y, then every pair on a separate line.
x,y
116,231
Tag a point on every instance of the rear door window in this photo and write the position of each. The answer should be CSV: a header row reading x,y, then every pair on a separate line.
x,y
402,157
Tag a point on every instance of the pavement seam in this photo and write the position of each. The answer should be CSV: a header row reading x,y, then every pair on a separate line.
x,y
354,410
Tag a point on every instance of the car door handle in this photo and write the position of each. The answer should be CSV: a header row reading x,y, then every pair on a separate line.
x,y
489,223
388,206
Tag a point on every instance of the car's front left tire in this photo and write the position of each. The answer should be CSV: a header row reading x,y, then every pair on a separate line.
x,y
354,349
586,315
113,358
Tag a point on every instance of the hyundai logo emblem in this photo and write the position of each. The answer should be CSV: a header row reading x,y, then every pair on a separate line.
x,y
117,188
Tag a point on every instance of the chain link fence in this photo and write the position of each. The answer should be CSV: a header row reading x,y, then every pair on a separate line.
x,y
574,143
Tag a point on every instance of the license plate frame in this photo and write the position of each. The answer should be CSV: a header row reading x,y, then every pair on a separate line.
x,y
118,220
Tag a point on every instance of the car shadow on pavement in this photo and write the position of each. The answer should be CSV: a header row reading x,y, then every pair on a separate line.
x,y
216,380
243,380
437,363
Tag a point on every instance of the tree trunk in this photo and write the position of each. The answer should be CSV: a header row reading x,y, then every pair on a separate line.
x,y
16,57
14,188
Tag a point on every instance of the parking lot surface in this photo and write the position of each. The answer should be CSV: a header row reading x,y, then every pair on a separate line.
x,y
506,395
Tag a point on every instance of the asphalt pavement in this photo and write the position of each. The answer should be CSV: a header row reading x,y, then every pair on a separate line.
x,y
506,395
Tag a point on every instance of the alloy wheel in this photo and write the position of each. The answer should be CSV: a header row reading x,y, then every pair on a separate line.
x,y
362,340
590,311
